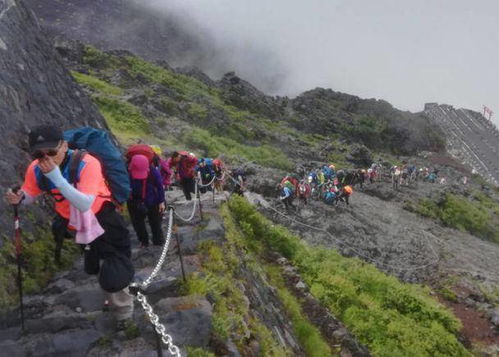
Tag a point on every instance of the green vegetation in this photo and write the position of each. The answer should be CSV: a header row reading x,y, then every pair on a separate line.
x,y
96,84
392,318
122,116
221,282
309,336
97,59
479,215
190,100
213,146
38,264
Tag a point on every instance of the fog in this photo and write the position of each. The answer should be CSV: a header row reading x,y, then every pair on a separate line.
x,y
406,52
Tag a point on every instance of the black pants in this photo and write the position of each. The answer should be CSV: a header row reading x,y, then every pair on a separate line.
x,y
138,218
288,202
114,240
188,187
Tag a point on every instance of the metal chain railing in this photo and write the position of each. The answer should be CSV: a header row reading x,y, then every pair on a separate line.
x,y
137,291
207,184
193,208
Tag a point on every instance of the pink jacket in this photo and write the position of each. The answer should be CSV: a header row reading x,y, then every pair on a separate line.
x,y
166,171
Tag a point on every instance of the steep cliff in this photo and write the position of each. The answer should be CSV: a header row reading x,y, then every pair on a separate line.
x,y
34,88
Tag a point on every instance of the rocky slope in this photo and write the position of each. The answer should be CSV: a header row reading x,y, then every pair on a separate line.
x,y
67,317
471,138
34,88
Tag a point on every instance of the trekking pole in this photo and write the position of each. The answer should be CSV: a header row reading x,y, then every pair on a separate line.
x,y
17,235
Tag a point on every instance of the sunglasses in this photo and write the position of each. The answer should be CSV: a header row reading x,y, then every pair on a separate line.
x,y
39,154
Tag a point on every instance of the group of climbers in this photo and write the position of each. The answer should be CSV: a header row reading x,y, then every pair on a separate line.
x,y
85,174
332,186
324,184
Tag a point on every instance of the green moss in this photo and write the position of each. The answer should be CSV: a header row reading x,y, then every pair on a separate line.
x,y
96,84
122,116
392,318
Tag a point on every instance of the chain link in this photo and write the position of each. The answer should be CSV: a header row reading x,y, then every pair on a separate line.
x,y
163,253
209,183
193,208
158,326
153,317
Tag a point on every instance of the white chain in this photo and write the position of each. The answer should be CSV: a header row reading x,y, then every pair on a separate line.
x,y
154,318
158,326
208,184
163,253
193,208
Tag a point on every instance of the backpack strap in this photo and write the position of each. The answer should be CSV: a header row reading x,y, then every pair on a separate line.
x,y
74,165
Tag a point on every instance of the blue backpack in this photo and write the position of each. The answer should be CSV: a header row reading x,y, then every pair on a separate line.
x,y
328,172
329,197
98,143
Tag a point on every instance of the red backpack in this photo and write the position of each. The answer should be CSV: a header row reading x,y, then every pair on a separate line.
x,y
140,149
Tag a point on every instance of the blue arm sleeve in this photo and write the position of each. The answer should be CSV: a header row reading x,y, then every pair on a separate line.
x,y
79,200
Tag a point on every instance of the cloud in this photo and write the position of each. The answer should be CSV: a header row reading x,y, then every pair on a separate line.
x,y
405,52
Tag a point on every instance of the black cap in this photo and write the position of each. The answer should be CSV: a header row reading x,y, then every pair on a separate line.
x,y
44,136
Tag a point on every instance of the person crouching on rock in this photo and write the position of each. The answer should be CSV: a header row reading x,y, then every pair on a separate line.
x,y
147,200
86,207
185,164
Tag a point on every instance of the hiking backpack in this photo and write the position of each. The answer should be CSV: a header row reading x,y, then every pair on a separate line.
x,y
140,149
329,197
98,143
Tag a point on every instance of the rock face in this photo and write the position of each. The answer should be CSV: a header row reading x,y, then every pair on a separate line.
x,y
471,138
34,88
118,24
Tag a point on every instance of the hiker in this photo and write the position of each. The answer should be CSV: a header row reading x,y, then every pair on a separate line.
x,y
287,195
395,174
86,207
218,169
239,178
205,173
166,171
345,194
361,173
147,200
185,164
304,191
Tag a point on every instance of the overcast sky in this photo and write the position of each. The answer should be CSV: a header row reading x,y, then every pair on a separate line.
x,y
405,51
